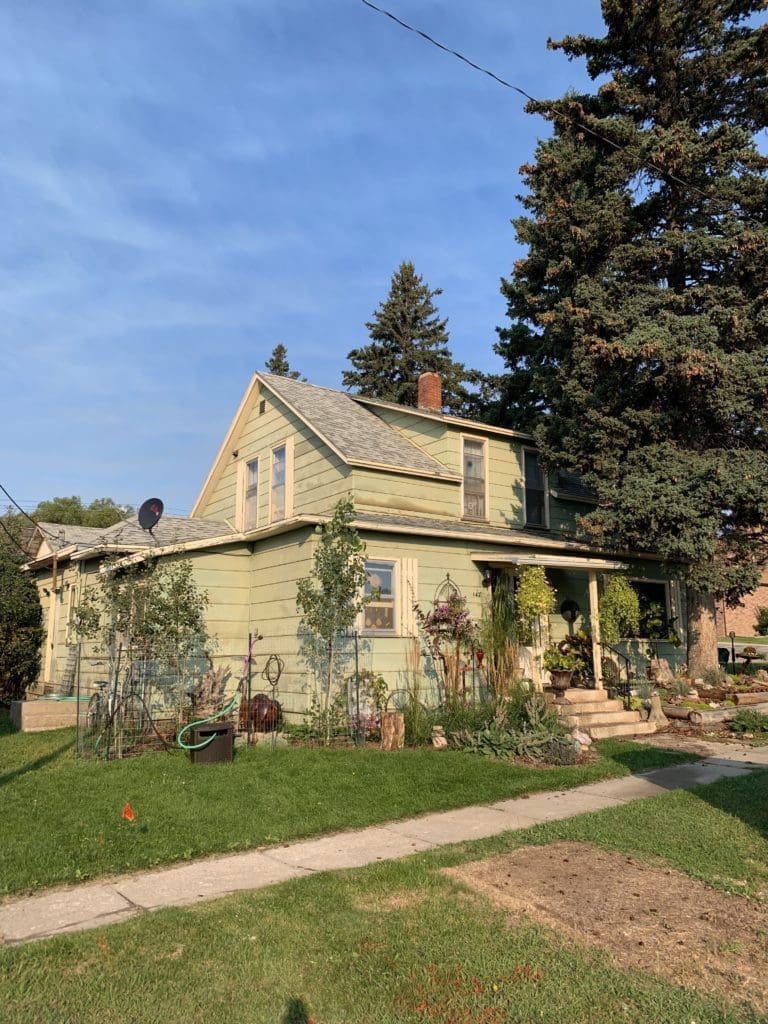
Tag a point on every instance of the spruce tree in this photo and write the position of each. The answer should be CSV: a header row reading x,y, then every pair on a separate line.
x,y
279,365
407,338
638,345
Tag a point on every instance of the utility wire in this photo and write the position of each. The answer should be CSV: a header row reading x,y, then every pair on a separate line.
x,y
12,539
26,514
547,106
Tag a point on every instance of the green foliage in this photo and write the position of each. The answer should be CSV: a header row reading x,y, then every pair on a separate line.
x,y
332,596
21,630
637,348
619,610
534,599
278,363
102,512
761,626
449,632
539,735
747,720
556,658
407,338
497,638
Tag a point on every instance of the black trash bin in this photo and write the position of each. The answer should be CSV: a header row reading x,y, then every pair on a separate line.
x,y
221,746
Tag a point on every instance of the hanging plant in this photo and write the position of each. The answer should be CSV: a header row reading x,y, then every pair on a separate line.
x,y
619,610
534,598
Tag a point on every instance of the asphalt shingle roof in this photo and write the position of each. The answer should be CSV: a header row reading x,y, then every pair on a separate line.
x,y
357,434
170,530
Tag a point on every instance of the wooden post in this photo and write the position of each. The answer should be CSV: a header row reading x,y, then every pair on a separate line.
x,y
594,619
392,730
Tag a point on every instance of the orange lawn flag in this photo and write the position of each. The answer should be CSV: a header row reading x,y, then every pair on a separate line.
x,y
128,814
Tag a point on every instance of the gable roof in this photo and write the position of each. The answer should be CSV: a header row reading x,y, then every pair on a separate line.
x,y
356,435
57,536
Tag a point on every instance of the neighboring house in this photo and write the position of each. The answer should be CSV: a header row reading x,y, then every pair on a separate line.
x,y
438,499
742,619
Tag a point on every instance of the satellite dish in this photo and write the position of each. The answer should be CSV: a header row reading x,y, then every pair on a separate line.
x,y
149,514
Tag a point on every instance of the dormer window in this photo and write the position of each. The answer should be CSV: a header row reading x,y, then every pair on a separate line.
x,y
474,462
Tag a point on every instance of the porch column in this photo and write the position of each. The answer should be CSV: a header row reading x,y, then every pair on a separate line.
x,y
594,618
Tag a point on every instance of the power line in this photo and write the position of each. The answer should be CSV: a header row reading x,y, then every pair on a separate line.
x,y
548,106
26,514
12,539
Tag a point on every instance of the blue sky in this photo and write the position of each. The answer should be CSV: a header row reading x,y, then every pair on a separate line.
x,y
186,183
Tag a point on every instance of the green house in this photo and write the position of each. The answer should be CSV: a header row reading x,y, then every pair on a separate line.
x,y
441,503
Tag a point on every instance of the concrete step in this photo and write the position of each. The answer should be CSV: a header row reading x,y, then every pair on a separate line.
x,y
591,707
576,695
602,732
601,718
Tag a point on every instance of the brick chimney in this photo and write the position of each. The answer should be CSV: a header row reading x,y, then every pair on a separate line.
x,y
430,394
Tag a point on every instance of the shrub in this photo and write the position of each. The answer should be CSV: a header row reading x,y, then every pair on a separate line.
x,y
747,720
761,626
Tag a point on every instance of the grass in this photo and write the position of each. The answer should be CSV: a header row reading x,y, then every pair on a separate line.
x,y
61,817
397,942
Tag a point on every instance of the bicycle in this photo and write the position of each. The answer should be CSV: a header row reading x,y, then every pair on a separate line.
x,y
97,713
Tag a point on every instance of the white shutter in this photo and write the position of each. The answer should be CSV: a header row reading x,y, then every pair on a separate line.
x,y
407,592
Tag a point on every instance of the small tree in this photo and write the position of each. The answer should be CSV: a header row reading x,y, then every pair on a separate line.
x,y
331,597
154,611
279,365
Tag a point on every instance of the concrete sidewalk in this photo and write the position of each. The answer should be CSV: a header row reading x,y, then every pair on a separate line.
x,y
112,900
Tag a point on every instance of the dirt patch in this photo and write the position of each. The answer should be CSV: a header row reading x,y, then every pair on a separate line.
x,y
646,917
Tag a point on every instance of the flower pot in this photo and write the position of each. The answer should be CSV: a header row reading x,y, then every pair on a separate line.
x,y
560,681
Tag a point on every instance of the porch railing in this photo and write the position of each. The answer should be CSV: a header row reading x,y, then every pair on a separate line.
x,y
620,684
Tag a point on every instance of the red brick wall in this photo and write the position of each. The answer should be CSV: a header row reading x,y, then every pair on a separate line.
x,y
742,619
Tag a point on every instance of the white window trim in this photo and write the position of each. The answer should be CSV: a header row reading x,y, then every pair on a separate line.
x,y
241,489
286,443
486,463
405,592
545,524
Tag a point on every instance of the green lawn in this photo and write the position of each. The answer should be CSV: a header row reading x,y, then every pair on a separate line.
x,y
399,942
61,817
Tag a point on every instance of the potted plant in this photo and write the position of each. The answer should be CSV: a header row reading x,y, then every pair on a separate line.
x,y
560,664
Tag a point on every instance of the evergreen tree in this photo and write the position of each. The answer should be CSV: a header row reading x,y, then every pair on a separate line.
x,y
407,338
278,363
638,348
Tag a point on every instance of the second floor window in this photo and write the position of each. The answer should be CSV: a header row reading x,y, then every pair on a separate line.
x,y
278,483
474,479
251,496
535,490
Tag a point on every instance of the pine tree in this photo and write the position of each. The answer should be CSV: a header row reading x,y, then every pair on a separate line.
x,y
278,363
638,348
407,338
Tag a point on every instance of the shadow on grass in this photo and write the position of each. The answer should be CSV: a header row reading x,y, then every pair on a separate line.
x,y
296,1012
32,766
637,759
744,797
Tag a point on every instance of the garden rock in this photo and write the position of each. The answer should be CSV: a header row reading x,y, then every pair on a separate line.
x,y
761,676
582,738
439,741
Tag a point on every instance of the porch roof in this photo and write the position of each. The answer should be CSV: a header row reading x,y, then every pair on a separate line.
x,y
549,560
